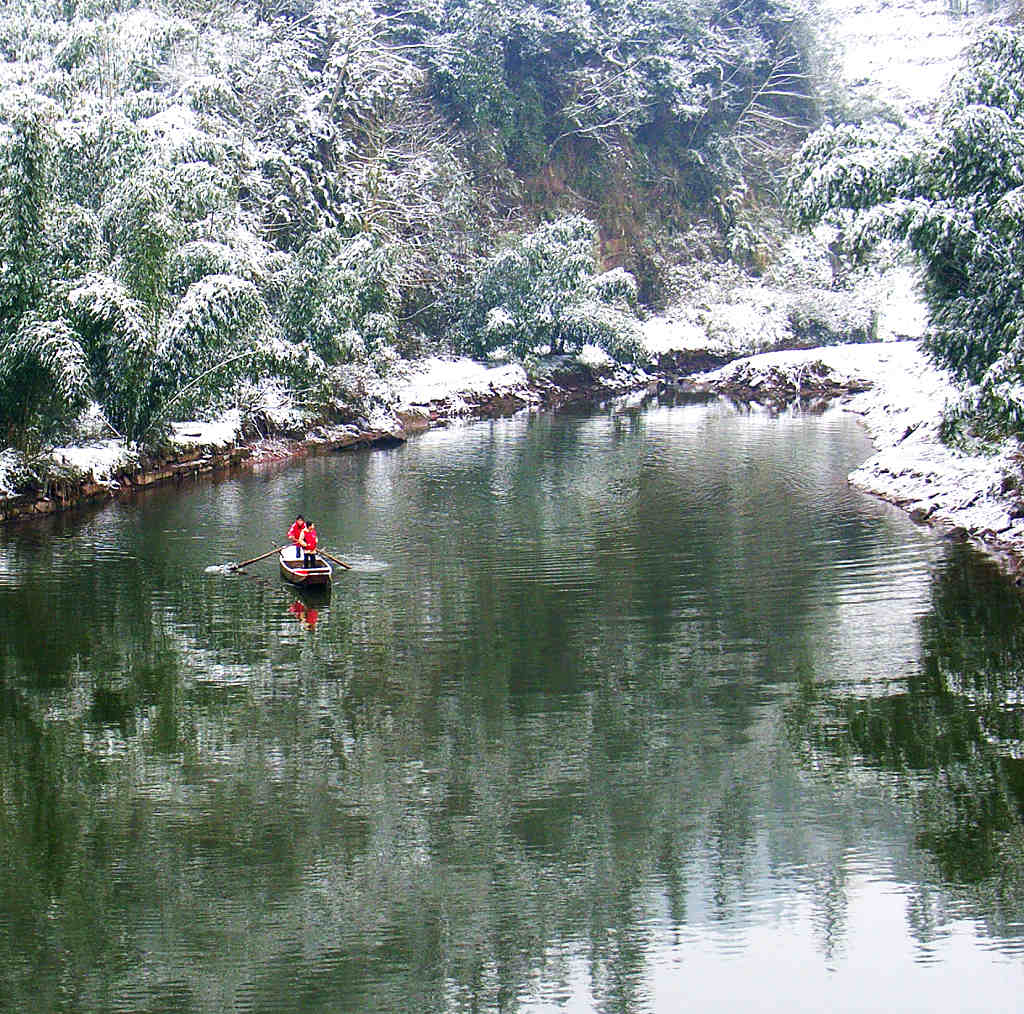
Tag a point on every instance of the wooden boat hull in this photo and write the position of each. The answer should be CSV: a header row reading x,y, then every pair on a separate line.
x,y
295,572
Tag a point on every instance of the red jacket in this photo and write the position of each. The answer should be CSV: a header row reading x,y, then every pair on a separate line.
x,y
308,540
295,532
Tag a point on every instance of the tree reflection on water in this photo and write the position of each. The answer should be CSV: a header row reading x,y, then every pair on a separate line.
x,y
951,733
506,769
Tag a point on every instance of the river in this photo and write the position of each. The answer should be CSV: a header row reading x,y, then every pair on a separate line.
x,y
634,710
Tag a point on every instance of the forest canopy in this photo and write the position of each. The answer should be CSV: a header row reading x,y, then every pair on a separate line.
x,y
197,196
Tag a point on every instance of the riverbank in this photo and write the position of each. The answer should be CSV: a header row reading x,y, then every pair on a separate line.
x,y
417,396
897,393
900,397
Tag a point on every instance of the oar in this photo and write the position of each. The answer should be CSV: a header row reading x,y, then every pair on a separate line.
x,y
245,563
334,559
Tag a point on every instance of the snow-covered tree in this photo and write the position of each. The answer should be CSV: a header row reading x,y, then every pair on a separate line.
x,y
542,292
955,195
343,296
43,379
44,382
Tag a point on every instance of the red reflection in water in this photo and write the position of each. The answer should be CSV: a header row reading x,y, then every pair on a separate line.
x,y
304,614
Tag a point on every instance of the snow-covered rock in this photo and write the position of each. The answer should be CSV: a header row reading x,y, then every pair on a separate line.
x,y
457,384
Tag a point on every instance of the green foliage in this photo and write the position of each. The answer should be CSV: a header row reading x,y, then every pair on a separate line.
x,y
216,329
190,191
955,195
343,296
118,342
542,293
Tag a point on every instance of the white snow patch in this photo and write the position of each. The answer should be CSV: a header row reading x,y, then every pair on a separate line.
x,y
592,355
437,380
752,319
902,312
102,460
675,332
902,51
175,124
8,463
222,432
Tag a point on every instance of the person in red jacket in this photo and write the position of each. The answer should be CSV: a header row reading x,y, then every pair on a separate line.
x,y
294,534
308,542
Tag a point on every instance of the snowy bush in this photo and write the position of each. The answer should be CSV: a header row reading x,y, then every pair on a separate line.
x,y
616,287
609,327
542,293
826,317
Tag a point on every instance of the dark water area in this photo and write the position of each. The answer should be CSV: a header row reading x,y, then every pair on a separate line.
x,y
636,710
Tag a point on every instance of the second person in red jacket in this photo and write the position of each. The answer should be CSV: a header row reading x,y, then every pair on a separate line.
x,y
307,540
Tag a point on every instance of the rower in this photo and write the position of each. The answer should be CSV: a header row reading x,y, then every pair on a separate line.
x,y
307,540
295,534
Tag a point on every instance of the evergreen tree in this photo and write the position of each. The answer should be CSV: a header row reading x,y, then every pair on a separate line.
x,y
542,293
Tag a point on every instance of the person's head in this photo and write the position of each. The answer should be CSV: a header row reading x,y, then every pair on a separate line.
x,y
310,524
299,518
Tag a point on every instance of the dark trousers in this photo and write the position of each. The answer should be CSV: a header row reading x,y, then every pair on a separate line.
x,y
309,560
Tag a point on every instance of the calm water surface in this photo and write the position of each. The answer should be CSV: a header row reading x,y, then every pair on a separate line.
x,y
623,711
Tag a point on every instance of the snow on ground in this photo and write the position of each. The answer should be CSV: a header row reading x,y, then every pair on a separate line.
x,y
102,460
901,52
677,332
450,382
901,310
222,432
723,311
899,390
758,318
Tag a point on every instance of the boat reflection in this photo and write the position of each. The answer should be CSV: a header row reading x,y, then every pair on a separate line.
x,y
308,607
304,614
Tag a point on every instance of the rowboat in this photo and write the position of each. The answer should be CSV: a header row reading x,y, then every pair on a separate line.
x,y
296,572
